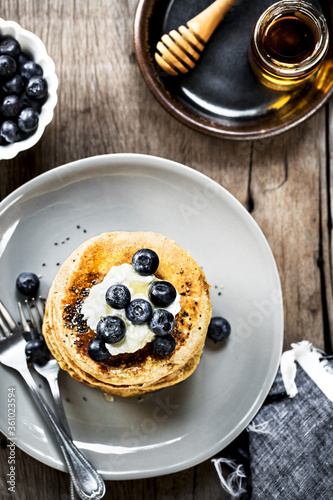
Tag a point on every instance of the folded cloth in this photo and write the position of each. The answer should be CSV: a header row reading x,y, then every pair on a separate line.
x,y
286,452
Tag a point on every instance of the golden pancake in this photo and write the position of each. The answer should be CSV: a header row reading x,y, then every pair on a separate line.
x,y
67,334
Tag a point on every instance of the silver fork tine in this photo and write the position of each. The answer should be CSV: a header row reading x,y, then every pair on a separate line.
x,y
25,325
42,302
39,316
3,328
32,319
12,326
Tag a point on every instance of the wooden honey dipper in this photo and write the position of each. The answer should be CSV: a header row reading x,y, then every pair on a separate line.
x,y
179,50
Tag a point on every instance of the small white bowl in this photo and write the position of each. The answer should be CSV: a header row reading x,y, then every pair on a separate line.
x,y
34,47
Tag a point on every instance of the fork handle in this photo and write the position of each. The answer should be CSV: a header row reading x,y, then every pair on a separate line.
x,y
59,409
87,482
60,412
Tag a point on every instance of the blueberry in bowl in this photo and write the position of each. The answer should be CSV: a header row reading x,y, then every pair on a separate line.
x,y
9,132
28,120
28,89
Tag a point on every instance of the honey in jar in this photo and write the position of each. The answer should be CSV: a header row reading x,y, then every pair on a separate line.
x,y
288,44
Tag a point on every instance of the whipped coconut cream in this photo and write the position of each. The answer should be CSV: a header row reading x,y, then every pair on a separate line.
x,y
95,307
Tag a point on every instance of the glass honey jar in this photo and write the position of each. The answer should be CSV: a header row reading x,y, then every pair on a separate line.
x,y
288,44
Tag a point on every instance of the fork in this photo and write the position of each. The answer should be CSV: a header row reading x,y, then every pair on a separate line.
x,y
50,371
87,482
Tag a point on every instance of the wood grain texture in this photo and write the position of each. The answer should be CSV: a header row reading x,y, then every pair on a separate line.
x,y
104,107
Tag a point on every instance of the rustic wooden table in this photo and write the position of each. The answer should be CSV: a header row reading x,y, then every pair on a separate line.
x,y
104,107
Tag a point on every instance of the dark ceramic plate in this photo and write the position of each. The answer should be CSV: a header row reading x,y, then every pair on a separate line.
x,y
221,96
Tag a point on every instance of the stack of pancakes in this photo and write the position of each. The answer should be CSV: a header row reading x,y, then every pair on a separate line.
x,y
128,374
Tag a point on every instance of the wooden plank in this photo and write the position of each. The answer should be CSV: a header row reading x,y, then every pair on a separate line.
x,y
325,251
285,193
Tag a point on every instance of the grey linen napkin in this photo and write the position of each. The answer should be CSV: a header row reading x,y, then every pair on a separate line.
x,y
286,452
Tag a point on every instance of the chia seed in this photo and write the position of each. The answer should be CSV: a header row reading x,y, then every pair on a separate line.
x,y
74,318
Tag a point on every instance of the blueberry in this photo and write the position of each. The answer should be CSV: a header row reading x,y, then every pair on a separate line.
x,y
162,293
37,352
219,329
97,350
37,88
139,311
27,284
3,141
10,47
111,329
145,261
30,69
118,296
162,322
7,66
164,345
13,86
10,131
22,59
28,120
26,102
10,106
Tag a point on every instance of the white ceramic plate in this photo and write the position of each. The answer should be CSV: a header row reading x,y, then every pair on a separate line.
x,y
42,222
